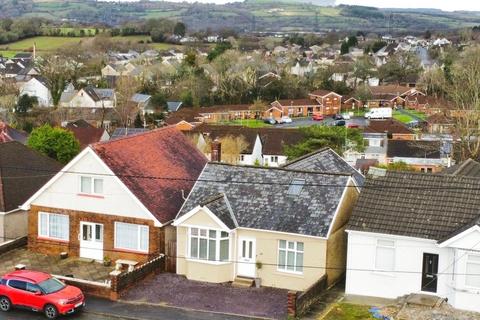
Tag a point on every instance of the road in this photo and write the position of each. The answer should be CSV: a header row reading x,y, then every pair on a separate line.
x,y
101,309
306,122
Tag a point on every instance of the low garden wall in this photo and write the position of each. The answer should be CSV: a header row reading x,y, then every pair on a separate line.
x,y
10,245
298,303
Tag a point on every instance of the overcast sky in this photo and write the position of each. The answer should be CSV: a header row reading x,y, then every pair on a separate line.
x,y
449,5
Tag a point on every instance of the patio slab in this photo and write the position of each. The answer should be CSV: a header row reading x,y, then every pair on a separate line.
x,y
78,268
175,290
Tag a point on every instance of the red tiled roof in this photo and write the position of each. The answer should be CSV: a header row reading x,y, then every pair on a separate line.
x,y
391,126
161,153
298,102
389,89
321,93
86,135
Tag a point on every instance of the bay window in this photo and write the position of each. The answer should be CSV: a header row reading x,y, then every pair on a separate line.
x,y
290,256
472,277
130,236
208,244
385,255
52,225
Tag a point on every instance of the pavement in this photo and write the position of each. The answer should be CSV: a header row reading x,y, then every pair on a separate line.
x,y
307,122
78,268
102,309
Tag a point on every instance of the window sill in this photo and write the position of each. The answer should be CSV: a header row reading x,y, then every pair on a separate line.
x,y
290,273
389,274
53,239
218,263
90,196
130,251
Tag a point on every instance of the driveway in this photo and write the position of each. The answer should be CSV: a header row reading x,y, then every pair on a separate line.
x,y
78,268
175,290
307,122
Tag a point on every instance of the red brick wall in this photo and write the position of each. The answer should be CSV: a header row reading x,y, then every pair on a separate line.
x,y
53,247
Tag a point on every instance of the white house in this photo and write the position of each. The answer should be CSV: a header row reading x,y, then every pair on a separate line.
x,y
416,233
90,97
37,87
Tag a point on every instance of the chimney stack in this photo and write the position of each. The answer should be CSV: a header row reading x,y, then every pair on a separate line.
x,y
216,151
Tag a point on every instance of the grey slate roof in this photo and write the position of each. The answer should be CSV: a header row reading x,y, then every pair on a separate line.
x,y
468,168
259,198
220,206
174,105
325,160
430,206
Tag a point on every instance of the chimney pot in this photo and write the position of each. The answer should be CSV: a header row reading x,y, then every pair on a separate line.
x,y
216,151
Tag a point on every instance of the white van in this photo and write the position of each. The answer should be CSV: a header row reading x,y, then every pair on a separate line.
x,y
379,113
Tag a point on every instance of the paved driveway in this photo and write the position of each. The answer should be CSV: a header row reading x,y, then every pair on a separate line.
x,y
307,122
79,268
175,290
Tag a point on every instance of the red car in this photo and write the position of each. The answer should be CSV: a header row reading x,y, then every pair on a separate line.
x,y
317,117
39,291
352,125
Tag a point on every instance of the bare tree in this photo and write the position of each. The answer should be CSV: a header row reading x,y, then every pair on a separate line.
x,y
125,88
232,147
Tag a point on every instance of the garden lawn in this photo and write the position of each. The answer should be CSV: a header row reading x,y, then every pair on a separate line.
x,y
405,118
248,123
347,311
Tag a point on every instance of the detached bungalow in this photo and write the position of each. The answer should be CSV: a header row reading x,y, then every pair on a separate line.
x,y
282,226
116,199
416,233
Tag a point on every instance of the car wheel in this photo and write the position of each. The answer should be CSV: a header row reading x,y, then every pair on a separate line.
x,y
5,304
51,311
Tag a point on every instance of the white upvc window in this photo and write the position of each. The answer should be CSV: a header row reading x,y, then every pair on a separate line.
x,y
130,236
53,226
385,255
472,274
290,256
91,185
209,245
274,159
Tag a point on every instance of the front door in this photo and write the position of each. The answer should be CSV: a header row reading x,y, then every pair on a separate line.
x,y
91,240
429,272
246,257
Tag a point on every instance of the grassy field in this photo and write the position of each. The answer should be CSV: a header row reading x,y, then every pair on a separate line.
x,y
47,44
346,311
406,118
248,123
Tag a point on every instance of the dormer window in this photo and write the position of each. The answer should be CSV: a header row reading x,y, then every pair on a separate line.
x,y
296,187
91,185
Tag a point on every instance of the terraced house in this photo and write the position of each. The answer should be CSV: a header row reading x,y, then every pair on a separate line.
x,y
116,199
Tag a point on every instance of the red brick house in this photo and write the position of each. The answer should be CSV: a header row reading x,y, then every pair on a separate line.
x,y
331,101
116,199
293,108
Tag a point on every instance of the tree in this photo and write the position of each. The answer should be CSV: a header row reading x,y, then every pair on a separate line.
x,y
352,41
56,143
397,166
377,45
364,69
400,67
317,137
126,87
220,48
138,123
179,29
187,99
232,147
344,48
25,103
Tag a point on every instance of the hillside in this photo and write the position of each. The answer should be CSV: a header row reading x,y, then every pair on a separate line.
x,y
251,15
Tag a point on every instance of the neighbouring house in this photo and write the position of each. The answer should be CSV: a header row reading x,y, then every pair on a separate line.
x,y
142,102
118,70
123,132
416,233
262,146
87,134
8,133
38,88
269,223
325,160
115,200
331,101
391,95
422,155
294,108
174,106
224,113
23,171
375,149
440,123
395,129
468,168
92,98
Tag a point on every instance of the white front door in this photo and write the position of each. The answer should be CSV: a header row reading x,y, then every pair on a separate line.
x,y
246,257
91,240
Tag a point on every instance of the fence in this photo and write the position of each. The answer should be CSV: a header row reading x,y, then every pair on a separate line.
x,y
299,303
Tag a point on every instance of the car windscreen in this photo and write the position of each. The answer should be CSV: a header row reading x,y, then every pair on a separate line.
x,y
51,285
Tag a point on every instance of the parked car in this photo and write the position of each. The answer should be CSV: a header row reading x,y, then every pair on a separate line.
x,y
352,125
270,121
339,123
285,119
346,116
317,117
337,116
39,291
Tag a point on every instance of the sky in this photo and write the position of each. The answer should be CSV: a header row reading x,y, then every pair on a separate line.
x,y
447,5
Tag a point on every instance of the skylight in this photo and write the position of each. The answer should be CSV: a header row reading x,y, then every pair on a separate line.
x,y
296,187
